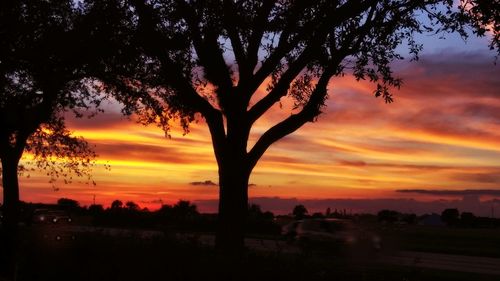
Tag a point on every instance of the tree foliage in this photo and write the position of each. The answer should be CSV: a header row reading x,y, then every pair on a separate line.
x,y
46,60
299,212
68,203
450,216
389,216
51,53
116,204
132,206
484,16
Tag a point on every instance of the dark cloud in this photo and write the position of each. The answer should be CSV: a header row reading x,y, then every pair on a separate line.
x,y
413,167
352,163
443,96
280,159
465,72
211,183
449,119
480,177
144,152
203,183
449,192
432,119
103,120
487,112
396,167
155,201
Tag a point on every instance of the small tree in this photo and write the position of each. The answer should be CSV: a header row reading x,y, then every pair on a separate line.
x,y
116,205
183,210
255,213
260,222
132,206
410,218
231,61
96,209
328,212
67,203
299,212
468,219
450,216
389,216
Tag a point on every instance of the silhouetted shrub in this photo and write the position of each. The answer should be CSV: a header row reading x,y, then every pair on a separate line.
x,y
388,216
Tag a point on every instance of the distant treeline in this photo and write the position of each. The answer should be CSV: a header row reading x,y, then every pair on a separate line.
x,y
184,216
449,217
181,216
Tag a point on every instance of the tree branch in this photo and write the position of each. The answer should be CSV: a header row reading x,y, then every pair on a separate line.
x,y
216,127
173,72
259,26
332,17
174,76
230,22
208,50
310,111
316,100
284,47
281,88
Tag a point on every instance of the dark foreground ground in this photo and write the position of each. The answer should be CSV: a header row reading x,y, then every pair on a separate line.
x,y
58,253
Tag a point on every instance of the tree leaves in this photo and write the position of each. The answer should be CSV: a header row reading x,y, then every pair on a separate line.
x,y
50,54
60,154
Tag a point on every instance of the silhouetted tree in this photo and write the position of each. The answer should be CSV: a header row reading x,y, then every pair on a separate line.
x,y
181,215
484,16
254,208
450,216
468,219
95,209
255,212
317,215
49,53
389,216
165,210
132,206
261,222
299,212
231,61
117,204
410,218
184,210
68,203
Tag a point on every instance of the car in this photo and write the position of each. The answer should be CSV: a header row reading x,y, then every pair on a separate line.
x,y
319,230
51,216
329,233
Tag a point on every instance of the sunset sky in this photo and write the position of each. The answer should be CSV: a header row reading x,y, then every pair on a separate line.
x,y
441,133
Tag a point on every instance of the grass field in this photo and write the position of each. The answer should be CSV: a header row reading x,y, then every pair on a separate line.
x,y
448,240
93,256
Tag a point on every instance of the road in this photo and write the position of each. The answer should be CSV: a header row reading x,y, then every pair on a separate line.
x,y
457,263
482,265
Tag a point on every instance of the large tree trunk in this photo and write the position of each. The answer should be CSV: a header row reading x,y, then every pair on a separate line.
x,y
234,173
233,207
8,262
